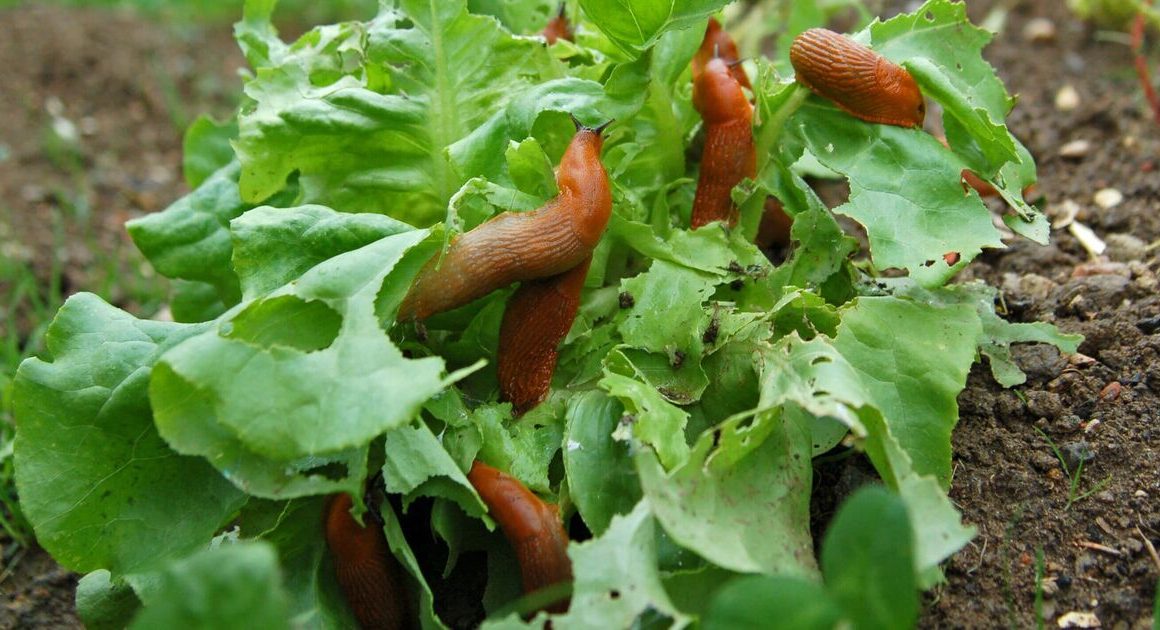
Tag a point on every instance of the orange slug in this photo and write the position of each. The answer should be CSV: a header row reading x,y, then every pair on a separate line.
x,y
718,43
729,155
858,80
538,317
520,246
532,527
558,28
367,572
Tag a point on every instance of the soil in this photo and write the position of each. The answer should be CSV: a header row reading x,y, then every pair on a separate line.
x,y
109,73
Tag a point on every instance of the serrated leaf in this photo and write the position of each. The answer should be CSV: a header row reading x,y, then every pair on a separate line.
x,y
741,499
278,400
904,188
227,587
417,465
96,481
523,448
650,417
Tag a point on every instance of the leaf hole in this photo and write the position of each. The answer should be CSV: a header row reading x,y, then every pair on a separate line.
x,y
332,471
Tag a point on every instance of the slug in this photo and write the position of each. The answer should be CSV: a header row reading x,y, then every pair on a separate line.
x,y
520,246
538,317
558,28
858,80
367,572
532,527
729,155
718,43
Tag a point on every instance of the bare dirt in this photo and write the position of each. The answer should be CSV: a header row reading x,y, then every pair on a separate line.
x,y
110,75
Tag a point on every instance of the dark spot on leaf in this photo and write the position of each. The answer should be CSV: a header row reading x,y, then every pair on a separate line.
x,y
737,284
614,594
734,267
626,300
711,332
677,359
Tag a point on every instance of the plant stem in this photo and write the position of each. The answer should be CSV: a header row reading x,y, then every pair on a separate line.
x,y
1142,64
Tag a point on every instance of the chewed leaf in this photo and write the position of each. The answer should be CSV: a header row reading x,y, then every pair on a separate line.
x,y
633,25
95,479
280,401
905,189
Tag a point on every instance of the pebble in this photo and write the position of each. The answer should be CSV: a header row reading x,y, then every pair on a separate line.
x,y
1076,452
1078,619
1039,30
1063,213
1149,325
1075,149
1108,198
1067,98
1123,247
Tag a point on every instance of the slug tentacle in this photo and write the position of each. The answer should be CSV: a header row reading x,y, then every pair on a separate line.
x,y
558,27
858,80
521,246
729,155
532,527
718,44
538,317
366,571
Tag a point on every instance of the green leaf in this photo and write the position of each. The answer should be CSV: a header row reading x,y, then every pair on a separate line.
x,y
103,605
278,398
417,465
230,586
904,188
650,418
868,562
915,384
634,25
601,477
206,148
522,448
272,246
295,529
741,500
773,602
522,17
96,481
190,239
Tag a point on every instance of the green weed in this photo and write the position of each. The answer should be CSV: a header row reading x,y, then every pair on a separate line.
x,y
1073,493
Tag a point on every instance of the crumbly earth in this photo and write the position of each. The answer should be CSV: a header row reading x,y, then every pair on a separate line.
x,y
127,85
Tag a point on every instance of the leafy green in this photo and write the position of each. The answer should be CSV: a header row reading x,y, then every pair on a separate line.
x,y
698,380
230,586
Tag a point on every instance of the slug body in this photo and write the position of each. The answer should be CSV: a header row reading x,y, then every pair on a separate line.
x,y
558,28
367,572
538,317
729,155
532,527
858,80
520,246
718,44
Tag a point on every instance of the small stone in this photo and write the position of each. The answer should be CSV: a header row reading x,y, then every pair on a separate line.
x,y
1077,619
1100,268
1062,213
1108,198
1134,546
1039,30
1075,453
1067,98
1149,325
1050,588
1124,247
1075,149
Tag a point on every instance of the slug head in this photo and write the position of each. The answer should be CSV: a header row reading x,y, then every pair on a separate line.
x,y
718,44
905,99
718,96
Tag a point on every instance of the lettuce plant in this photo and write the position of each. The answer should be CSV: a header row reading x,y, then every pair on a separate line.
x,y
170,459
